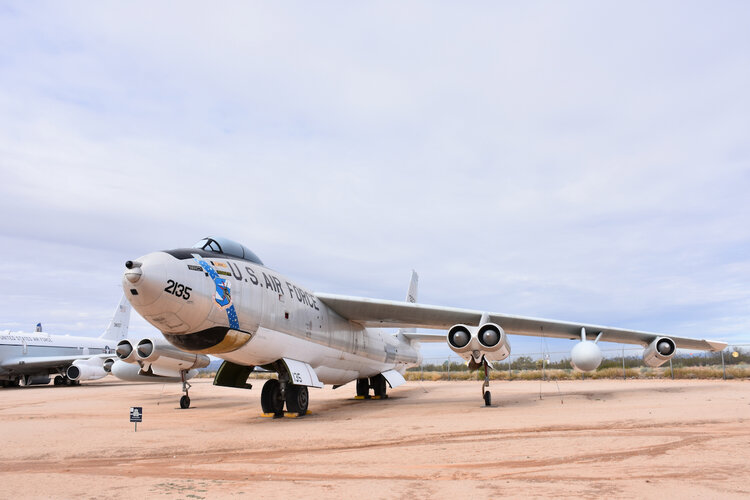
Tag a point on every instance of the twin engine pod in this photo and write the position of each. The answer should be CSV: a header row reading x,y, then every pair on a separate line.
x,y
160,359
474,342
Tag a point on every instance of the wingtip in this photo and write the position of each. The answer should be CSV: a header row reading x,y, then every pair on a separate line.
x,y
716,345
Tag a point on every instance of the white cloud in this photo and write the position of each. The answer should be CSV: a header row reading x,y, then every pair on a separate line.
x,y
585,161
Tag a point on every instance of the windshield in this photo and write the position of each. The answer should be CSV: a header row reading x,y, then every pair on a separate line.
x,y
227,247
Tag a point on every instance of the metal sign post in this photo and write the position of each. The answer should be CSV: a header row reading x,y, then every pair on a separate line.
x,y
136,415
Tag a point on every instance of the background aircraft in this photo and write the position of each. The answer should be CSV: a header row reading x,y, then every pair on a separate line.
x,y
218,298
36,358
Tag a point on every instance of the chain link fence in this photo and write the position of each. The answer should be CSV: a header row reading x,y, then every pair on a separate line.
x,y
626,363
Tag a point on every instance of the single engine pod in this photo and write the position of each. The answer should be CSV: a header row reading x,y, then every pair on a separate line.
x,y
659,351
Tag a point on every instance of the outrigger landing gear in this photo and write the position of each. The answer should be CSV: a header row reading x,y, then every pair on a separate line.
x,y
486,393
185,400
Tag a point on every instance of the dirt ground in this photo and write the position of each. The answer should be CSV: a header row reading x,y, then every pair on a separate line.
x,y
590,439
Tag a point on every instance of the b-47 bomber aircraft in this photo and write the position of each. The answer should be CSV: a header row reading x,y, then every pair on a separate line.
x,y
219,298
34,358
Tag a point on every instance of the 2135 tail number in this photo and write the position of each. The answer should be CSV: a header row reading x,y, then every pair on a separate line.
x,y
178,289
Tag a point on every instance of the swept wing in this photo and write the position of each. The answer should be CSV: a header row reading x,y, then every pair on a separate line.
x,y
387,313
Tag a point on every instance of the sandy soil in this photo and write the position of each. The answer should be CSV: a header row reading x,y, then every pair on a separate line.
x,y
635,438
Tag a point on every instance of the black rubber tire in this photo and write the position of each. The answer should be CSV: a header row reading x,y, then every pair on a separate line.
x,y
379,386
270,397
185,402
58,380
297,399
487,398
363,387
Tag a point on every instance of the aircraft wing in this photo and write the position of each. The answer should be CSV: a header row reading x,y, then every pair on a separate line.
x,y
22,363
387,313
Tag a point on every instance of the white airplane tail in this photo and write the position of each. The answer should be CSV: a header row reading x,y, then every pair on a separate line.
x,y
118,325
409,334
411,296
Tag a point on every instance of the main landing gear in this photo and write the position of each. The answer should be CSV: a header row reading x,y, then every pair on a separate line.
x,y
64,380
378,385
185,399
277,392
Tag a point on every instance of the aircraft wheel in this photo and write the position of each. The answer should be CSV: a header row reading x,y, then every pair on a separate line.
x,y
59,380
378,386
184,402
487,398
297,399
363,387
270,397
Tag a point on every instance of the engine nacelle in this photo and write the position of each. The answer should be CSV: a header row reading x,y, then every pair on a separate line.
x,y
86,369
659,351
125,351
107,365
586,356
132,372
473,343
166,360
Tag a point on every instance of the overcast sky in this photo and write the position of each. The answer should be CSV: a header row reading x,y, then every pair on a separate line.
x,y
583,161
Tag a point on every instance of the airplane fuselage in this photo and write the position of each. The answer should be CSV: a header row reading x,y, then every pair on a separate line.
x,y
17,349
247,314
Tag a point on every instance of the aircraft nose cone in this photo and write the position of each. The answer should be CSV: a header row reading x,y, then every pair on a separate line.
x,y
144,279
167,293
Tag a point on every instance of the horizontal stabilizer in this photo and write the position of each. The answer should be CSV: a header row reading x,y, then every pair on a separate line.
x,y
426,337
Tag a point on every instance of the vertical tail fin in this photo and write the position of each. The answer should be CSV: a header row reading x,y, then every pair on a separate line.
x,y
411,296
118,325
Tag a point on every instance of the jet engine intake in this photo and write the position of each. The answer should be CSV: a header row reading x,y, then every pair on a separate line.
x,y
659,351
459,338
125,351
86,369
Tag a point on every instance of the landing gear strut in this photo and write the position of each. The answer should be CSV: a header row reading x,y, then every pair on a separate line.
x,y
486,393
185,400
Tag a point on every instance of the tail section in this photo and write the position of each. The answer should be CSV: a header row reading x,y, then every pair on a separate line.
x,y
409,334
411,296
118,325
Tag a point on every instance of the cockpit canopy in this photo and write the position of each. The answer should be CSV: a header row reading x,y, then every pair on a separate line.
x,y
227,247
